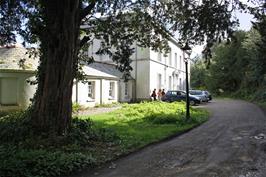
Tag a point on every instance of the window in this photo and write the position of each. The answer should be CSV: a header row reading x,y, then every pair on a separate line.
x,y
91,93
8,91
112,90
175,60
170,83
126,88
180,62
170,57
180,83
159,57
183,93
159,81
90,49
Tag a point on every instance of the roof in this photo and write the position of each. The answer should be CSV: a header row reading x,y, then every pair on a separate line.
x,y
11,56
104,70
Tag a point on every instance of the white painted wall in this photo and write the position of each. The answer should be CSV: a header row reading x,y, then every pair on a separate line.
x,y
15,90
101,92
147,65
123,97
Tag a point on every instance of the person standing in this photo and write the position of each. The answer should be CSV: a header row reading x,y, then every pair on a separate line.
x,y
163,92
153,95
159,94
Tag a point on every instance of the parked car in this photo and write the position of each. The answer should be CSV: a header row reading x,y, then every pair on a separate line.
x,y
178,95
209,96
199,94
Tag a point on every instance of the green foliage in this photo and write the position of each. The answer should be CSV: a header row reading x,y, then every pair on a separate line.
x,y
199,75
41,162
6,112
22,153
14,127
140,124
237,69
76,107
226,70
89,141
115,104
82,133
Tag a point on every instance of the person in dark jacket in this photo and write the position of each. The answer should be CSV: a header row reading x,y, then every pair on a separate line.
x,y
153,95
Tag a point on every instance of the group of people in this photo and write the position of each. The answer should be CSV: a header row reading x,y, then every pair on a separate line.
x,y
157,96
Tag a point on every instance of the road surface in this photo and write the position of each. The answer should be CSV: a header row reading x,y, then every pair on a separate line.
x,y
231,144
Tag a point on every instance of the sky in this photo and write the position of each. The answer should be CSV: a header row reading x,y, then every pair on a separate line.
x,y
244,24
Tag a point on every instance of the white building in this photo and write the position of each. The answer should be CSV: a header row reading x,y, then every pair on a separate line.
x,y
15,91
105,84
151,70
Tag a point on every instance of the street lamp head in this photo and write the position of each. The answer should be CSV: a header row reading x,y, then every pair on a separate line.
x,y
187,49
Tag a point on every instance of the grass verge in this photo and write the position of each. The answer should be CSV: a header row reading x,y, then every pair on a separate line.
x,y
92,140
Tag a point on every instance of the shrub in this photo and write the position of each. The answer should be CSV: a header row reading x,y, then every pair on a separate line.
x,y
14,127
76,107
82,132
23,153
5,113
27,163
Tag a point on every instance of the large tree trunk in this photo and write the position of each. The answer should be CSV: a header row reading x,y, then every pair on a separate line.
x,y
52,105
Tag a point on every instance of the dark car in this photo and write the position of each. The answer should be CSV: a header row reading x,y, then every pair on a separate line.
x,y
208,94
178,95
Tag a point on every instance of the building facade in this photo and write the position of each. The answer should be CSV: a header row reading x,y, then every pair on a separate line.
x,y
151,70
104,83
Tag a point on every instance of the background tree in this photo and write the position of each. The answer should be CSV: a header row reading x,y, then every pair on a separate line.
x,y
58,26
198,75
236,67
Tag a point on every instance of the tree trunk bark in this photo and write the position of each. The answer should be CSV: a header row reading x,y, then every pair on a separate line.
x,y
52,105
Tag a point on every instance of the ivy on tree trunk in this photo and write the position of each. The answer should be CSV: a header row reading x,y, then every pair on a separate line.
x,y
52,106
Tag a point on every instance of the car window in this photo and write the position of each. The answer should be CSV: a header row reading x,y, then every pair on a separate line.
x,y
171,93
195,92
182,93
178,93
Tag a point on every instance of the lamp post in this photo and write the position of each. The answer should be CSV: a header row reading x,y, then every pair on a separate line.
x,y
188,50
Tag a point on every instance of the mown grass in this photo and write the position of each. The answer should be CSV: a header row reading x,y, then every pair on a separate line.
x,y
91,140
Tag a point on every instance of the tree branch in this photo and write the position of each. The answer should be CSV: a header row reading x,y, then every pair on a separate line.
x,y
84,40
87,10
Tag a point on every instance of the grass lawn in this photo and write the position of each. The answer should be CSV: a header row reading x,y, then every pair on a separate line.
x,y
92,140
137,125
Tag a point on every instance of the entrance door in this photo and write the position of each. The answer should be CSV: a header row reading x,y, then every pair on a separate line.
x,y
8,91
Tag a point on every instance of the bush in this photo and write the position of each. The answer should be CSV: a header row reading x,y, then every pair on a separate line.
x,y
260,95
82,133
5,113
22,153
29,163
76,107
14,127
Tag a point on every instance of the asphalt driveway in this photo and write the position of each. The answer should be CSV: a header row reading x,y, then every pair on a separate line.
x,y
231,144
